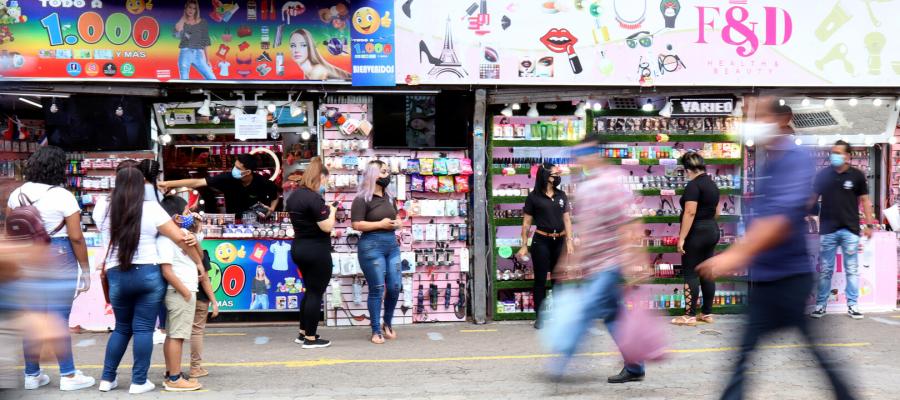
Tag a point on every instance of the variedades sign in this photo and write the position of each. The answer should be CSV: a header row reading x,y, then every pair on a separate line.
x,y
649,43
705,107
231,40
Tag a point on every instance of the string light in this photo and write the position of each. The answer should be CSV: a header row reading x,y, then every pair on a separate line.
x,y
877,102
829,102
805,102
853,102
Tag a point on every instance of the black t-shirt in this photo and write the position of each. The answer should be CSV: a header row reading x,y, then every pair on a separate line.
x,y
840,199
379,208
239,198
307,209
704,191
547,213
201,294
259,286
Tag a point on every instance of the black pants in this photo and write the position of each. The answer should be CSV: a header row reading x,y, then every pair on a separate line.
x,y
313,258
699,246
545,254
775,306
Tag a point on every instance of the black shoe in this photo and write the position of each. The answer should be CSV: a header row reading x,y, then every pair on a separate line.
x,y
625,376
302,338
538,324
316,344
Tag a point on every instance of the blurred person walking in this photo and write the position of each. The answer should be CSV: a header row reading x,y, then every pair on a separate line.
x,y
313,221
49,287
136,285
842,189
547,209
774,247
697,238
606,247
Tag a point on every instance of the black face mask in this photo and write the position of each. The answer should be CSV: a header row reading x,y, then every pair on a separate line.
x,y
555,181
383,182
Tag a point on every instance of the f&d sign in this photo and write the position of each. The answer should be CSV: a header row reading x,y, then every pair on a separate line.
x,y
702,107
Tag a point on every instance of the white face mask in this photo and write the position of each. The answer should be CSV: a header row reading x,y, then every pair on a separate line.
x,y
759,132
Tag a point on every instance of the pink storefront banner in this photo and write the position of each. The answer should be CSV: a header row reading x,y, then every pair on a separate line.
x,y
877,275
90,311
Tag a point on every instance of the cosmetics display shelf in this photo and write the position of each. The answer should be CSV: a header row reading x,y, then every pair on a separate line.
x,y
529,283
659,219
724,309
534,143
641,192
657,161
673,137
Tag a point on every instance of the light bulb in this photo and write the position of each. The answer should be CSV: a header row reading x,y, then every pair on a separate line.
x,y
598,106
853,102
532,110
516,106
305,135
211,137
119,111
507,111
54,108
829,102
798,142
805,102
781,102
216,120
580,110
877,102
821,141
271,108
749,143
165,139
274,134
648,106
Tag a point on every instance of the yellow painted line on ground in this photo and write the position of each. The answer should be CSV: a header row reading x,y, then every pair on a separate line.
x,y
477,330
225,334
332,362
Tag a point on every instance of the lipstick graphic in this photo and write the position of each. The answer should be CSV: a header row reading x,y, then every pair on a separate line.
x,y
562,41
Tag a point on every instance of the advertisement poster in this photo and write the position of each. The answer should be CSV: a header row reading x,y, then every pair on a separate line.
x,y
373,43
254,275
649,43
230,40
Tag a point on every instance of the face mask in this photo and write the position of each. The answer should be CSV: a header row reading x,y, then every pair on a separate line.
x,y
759,132
556,181
322,190
187,221
837,160
383,182
236,173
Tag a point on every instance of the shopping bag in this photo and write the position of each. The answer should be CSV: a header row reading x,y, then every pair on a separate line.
x,y
560,319
892,214
641,335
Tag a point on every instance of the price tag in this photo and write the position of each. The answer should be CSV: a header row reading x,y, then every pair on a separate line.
x,y
668,161
631,161
667,192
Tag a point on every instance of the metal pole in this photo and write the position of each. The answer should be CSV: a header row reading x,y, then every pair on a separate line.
x,y
479,193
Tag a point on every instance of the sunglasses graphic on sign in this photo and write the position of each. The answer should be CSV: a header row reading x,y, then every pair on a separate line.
x,y
643,38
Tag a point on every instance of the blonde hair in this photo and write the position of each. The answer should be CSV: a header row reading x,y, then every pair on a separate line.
x,y
316,59
312,176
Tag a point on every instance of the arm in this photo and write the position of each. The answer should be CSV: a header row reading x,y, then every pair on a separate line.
x,y
763,234
868,214
173,232
176,283
328,224
366,226
207,288
273,205
526,229
628,235
79,247
190,183
690,211
570,239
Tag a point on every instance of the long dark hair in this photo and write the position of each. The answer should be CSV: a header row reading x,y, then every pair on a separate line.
x,y
126,208
150,169
542,177
47,165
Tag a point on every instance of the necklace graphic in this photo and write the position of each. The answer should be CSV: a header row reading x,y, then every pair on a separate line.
x,y
448,61
630,8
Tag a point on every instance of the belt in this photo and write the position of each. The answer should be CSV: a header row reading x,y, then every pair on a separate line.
x,y
553,235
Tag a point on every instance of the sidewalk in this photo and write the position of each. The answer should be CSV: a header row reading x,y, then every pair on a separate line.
x,y
504,360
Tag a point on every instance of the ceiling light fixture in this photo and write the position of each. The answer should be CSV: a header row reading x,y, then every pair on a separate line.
x,y
204,110
648,106
580,109
666,110
877,102
805,102
533,111
516,106
507,111
829,102
853,102
32,102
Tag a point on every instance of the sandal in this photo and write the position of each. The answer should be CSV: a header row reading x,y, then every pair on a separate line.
x,y
684,320
389,333
705,318
378,338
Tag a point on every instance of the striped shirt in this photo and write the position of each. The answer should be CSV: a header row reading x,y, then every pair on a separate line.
x,y
601,208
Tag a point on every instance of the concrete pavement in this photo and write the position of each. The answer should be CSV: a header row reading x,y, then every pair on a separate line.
x,y
505,360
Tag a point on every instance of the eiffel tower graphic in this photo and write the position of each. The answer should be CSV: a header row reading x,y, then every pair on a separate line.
x,y
448,62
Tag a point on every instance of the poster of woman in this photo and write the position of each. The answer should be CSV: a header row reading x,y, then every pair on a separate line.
x,y
193,32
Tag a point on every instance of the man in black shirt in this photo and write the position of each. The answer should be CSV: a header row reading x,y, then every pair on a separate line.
x,y
242,187
842,188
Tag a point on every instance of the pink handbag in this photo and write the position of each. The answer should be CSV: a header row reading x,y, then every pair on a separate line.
x,y
641,333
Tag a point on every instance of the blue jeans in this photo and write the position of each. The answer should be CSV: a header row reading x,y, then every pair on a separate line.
x,y
379,258
849,244
51,293
135,296
196,58
603,295
260,302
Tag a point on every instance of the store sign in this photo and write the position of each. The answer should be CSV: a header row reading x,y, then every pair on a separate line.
x,y
649,43
250,126
233,40
701,107
254,275
372,47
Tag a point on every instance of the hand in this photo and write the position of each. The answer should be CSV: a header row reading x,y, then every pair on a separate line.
x,y
570,247
867,232
727,263
85,283
386,20
398,223
523,251
186,295
215,310
163,186
680,246
387,224
190,239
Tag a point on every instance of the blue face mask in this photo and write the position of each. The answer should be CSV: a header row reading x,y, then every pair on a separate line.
x,y
236,173
322,190
187,221
837,160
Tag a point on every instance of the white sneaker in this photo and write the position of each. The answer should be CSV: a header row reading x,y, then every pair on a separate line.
x,y
34,382
106,386
138,389
78,381
159,337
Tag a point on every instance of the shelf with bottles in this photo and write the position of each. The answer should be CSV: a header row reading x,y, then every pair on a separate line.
x,y
647,125
533,130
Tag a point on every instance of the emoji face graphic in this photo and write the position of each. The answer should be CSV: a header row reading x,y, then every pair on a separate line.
x,y
226,252
366,20
135,6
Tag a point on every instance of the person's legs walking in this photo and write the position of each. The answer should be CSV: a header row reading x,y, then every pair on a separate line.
x,y
827,250
541,261
608,309
392,281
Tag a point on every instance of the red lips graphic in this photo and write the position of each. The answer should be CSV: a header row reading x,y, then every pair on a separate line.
x,y
559,41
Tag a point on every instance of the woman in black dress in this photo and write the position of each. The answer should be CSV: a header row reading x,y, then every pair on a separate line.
x,y
698,238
